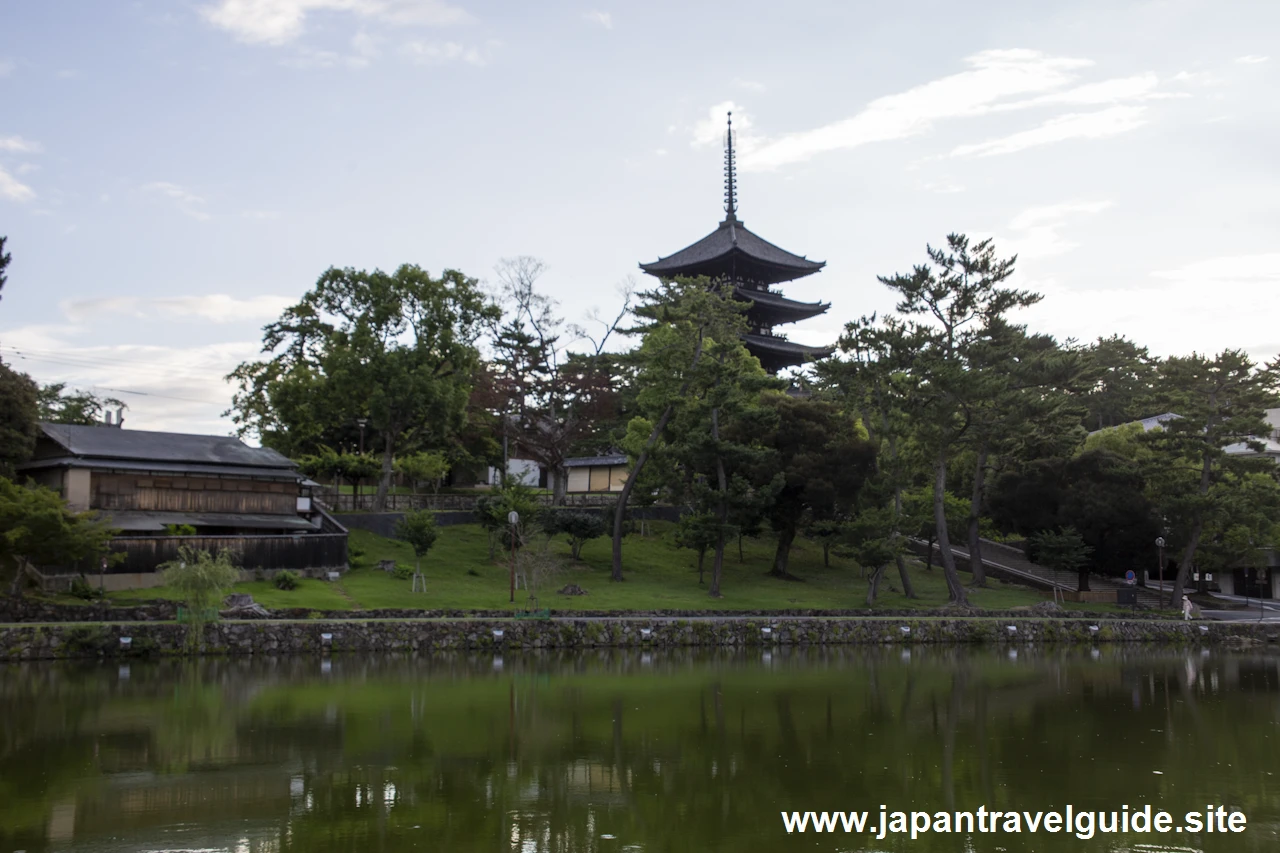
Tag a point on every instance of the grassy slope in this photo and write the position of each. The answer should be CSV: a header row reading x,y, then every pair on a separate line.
x,y
659,576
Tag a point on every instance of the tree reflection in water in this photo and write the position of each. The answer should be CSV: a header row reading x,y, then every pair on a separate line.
x,y
618,750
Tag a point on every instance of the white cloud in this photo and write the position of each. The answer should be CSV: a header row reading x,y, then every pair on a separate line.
x,y
187,201
260,215
439,53
213,308
18,145
1035,230
282,21
6,67
13,189
997,81
1206,306
1094,125
749,85
595,16
1252,59
177,389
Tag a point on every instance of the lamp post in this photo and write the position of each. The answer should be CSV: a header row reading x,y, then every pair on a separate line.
x,y
513,518
1160,557
362,423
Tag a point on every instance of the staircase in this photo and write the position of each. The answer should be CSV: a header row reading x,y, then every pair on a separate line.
x,y
1008,561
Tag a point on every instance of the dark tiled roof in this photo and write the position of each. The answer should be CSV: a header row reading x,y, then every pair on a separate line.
x,y
777,304
731,237
782,346
588,461
98,463
114,443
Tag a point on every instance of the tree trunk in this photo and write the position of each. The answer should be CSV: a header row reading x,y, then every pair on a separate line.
x,y
1197,530
826,555
908,590
741,559
783,555
928,564
873,586
722,510
955,589
559,485
702,555
975,514
388,468
655,433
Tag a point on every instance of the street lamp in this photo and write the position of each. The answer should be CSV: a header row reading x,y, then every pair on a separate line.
x,y
362,423
1160,552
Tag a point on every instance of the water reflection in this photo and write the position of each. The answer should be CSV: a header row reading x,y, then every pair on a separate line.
x,y
611,750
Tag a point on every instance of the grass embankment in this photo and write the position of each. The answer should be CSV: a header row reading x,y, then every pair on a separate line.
x,y
659,576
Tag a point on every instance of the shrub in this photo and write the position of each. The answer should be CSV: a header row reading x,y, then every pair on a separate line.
x,y
200,578
286,580
81,588
402,573
580,527
179,530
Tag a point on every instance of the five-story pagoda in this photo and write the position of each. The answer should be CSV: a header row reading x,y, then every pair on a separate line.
x,y
732,255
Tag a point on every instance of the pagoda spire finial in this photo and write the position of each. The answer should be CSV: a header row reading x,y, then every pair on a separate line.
x,y
730,176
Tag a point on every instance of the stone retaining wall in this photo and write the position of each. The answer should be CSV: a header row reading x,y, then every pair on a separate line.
x,y
27,642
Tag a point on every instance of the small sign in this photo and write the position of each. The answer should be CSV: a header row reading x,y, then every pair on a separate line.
x,y
513,517
1130,577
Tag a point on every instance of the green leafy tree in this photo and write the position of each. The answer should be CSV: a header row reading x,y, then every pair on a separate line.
x,y
419,530
697,532
578,526
680,320
201,579
1222,402
5,257
424,467
1063,550
36,526
1123,377
19,418
951,308
494,508
823,461
397,348
876,542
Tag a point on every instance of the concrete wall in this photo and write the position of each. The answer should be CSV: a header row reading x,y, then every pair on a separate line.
x,y
26,642
76,488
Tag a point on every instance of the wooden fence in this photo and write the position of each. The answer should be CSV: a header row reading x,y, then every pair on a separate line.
x,y
407,503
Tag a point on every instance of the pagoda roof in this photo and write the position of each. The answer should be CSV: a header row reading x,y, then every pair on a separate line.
x,y
775,304
777,352
732,245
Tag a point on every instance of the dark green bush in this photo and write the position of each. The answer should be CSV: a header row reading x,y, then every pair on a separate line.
x,y
286,580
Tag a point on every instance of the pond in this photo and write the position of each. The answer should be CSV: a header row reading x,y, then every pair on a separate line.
x,y
630,751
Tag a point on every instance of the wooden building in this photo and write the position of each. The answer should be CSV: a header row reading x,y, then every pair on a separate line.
x,y
251,500
732,256
596,473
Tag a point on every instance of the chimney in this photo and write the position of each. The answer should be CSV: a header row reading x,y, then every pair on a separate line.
x,y
107,415
120,418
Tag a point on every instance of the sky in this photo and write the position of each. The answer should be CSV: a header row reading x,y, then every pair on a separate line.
x,y
174,173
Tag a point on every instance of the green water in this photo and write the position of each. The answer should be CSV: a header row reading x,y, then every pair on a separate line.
x,y
624,751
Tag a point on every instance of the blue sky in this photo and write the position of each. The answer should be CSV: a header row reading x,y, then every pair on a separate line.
x,y
172,174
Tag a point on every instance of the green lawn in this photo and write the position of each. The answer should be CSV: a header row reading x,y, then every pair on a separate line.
x,y
659,576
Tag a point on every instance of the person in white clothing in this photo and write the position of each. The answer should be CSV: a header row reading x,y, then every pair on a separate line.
x,y
1187,607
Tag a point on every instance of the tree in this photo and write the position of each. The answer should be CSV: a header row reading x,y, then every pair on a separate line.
x,y
697,532
396,348
424,467
823,462
493,510
680,319
1123,378
1063,550
419,530
5,257
951,307
201,579
19,416
550,399
37,526
876,543
1222,402
578,525
57,405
